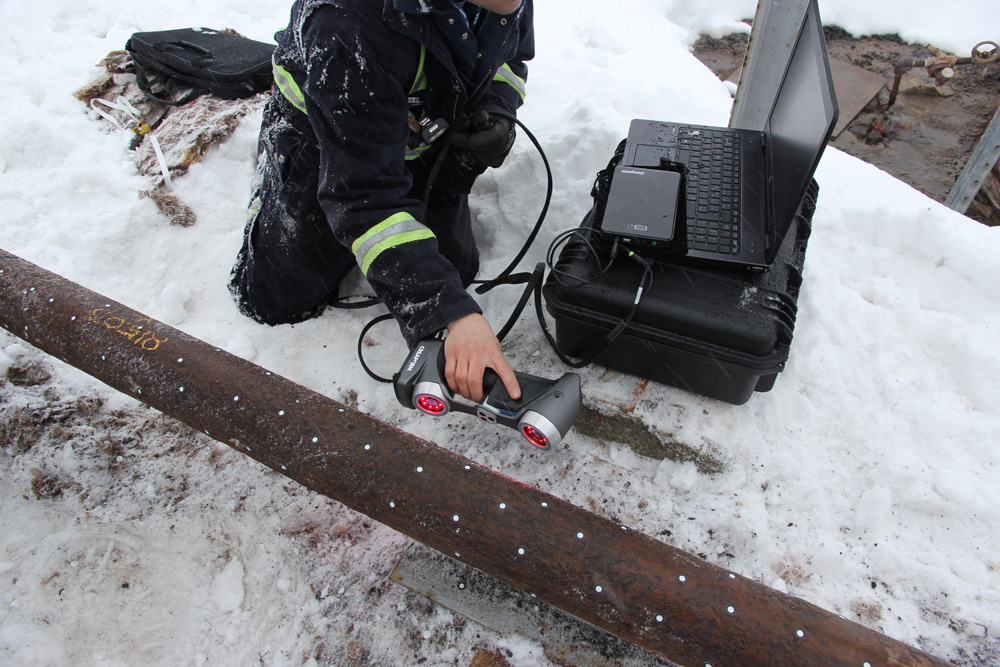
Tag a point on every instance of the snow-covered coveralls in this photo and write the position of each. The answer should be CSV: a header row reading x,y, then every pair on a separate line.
x,y
338,186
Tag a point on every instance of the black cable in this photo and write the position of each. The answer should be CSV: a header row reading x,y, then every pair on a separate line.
x,y
600,346
361,340
344,304
588,250
505,275
534,278
432,176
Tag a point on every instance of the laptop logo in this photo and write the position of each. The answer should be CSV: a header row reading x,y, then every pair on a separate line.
x,y
639,228
632,171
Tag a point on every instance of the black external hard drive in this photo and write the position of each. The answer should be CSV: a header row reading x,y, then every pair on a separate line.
x,y
642,207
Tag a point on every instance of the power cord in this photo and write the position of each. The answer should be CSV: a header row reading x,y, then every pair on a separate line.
x,y
505,277
534,280
600,346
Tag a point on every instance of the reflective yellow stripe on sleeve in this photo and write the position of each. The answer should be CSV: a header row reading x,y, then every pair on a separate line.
x,y
506,75
286,84
393,231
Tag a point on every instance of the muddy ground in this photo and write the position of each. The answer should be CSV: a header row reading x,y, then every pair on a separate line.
x,y
926,136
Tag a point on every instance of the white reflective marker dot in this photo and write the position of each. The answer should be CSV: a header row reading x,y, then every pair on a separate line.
x,y
732,576
181,389
579,536
800,634
659,618
420,468
599,589
455,518
315,439
682,578
520,551
392,504
367,447
236,398
545,504
503,506
468,467
281,413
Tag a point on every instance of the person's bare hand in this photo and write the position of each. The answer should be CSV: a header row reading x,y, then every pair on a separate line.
x,y
469,349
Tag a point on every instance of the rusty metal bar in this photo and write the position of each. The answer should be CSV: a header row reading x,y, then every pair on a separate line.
x,y
663,599
938,68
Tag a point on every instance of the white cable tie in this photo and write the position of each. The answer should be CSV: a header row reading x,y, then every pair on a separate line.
x,y
134,120
128,108
117,107
167,183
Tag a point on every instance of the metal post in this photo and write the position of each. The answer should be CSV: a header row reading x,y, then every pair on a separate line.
x,y
663,599
984,156
775,27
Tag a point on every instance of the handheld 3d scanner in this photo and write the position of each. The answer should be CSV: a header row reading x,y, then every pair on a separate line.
x,y
544,413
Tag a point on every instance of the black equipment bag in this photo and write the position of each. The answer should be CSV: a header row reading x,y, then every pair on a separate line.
x,y
199,60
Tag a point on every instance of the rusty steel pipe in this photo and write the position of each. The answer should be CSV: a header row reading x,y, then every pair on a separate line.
x,y
663,599
934,66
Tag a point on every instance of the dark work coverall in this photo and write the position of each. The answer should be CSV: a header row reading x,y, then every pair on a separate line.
x,y
337,185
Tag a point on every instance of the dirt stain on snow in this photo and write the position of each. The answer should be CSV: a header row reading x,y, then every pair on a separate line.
x,y
631,431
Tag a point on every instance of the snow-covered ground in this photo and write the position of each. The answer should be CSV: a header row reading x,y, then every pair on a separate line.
x,y
867,481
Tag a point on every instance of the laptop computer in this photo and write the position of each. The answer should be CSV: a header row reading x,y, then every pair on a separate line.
x,y
743,187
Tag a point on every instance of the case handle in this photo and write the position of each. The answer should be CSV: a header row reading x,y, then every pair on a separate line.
x,y
147,89
206,55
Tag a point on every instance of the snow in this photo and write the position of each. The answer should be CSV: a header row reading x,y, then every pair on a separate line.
x,y
867,481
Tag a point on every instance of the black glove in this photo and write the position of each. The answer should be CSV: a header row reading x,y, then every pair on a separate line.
x,y
458,172
488,135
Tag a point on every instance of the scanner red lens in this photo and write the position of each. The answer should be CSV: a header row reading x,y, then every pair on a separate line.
x,y
534,436
431,405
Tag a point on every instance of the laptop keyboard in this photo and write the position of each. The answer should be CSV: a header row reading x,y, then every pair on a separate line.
x,y
713,188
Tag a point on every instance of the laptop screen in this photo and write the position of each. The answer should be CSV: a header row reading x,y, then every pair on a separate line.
x,y
801,122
